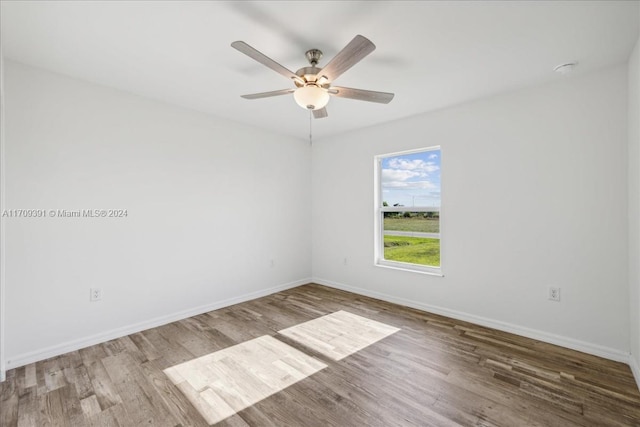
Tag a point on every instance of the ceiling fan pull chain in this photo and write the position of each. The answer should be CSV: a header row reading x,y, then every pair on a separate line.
x,y
310,129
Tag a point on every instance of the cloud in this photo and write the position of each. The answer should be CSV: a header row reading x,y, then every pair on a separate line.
x,y
406,174
410,185
407,179
416,165
398,175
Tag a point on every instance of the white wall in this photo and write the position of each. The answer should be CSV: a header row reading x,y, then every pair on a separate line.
x,y
534,194
634,207
210,204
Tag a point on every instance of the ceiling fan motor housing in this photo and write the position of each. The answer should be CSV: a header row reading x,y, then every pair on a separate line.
x,y
310,74
313,55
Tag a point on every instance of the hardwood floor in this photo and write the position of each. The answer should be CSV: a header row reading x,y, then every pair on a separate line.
x,y
434,371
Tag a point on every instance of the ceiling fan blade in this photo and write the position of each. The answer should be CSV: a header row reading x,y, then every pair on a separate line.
x,y
268,94
320,114
352,53
361,94
265,60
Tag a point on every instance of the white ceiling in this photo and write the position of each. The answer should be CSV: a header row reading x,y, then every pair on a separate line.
x,y
430,54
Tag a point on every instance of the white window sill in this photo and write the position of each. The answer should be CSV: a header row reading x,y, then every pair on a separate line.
x,y
414,268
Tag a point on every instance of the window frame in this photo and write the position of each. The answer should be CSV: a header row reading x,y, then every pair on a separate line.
x,y
379,211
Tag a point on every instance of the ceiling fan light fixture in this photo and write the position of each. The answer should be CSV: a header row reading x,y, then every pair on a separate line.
x,y
311,97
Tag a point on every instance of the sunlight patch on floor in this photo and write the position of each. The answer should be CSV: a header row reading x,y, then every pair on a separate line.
x,y
340,334
227,381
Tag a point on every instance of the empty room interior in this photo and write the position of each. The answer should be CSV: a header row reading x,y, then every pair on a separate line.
x,y
320,213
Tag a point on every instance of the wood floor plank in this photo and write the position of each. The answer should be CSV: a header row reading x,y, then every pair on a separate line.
x,y
79,377
51,409
109,418
172,352
102,386
90,406
30,375
175,402
28,404
71,405
9,400
434,371
145,347
140,405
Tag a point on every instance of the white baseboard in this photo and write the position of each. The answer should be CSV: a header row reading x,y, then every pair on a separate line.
x,y
585,347
56,350
635,368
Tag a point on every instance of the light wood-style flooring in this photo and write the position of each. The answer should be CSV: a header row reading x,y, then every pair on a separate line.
x,y
433,371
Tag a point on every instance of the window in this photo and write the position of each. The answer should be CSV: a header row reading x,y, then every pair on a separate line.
x,y
408,210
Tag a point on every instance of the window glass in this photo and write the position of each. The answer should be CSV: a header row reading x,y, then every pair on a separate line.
x,y
408,214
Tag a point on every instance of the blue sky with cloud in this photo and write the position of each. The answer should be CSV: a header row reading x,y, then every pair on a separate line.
x,y
411,179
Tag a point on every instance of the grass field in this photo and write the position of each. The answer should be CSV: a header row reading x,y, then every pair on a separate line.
x,y
417,223
415,250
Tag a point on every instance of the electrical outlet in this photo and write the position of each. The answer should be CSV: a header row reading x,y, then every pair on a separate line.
x,y
345,261
554,293
96,294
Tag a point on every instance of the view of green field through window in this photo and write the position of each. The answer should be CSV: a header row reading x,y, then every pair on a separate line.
x,y
410,192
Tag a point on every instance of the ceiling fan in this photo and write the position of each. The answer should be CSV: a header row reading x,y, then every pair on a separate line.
x,y
313,85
